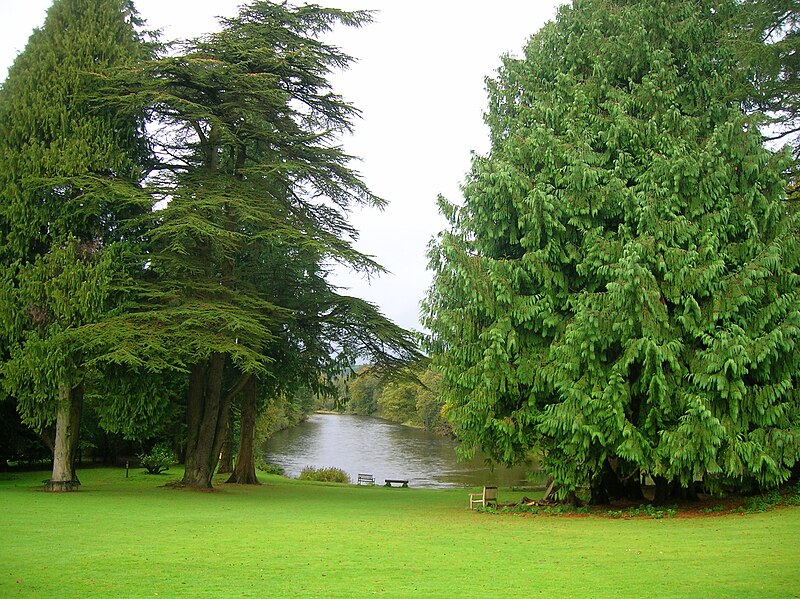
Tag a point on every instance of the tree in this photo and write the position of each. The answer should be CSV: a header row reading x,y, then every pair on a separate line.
x,y
258,194
364,391
619,289
429,403
409,395
68,173
398,401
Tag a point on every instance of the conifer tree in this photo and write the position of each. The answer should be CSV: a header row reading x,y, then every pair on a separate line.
x,y
258,193
619,288
68,175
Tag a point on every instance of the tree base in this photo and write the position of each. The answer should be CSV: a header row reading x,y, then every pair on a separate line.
x,y
61,486
238,479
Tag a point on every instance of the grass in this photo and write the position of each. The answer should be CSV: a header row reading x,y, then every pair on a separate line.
x,y
121,537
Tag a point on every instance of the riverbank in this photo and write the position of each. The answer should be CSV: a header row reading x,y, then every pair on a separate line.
x,y
132,537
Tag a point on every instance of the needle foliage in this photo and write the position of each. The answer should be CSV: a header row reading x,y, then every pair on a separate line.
x,y
619,288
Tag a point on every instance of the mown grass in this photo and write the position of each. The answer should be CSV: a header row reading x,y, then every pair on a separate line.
x,y
132,537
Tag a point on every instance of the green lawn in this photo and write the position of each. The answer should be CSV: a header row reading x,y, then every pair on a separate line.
x,y
130,537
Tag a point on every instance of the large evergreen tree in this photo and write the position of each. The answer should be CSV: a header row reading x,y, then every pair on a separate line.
x,y
68,171
619,288
257,193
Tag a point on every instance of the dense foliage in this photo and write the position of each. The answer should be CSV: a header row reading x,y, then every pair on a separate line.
x,y
325,475
69,171
158,459
619,288
411,396
226,212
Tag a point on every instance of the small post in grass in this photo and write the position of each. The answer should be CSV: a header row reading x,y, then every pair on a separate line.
x,y
127,466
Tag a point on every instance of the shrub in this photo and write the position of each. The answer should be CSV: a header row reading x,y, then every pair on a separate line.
x,y
326,475
269,468
158,459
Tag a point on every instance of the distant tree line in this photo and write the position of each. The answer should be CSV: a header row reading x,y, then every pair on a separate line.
x,y
409,397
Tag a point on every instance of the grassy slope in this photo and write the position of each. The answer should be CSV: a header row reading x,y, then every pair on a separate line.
x,y
131,538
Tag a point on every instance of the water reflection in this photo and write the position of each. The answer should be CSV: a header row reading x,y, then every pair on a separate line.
x,y
362,444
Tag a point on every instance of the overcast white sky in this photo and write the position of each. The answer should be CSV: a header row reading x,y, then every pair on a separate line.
x,y
420,85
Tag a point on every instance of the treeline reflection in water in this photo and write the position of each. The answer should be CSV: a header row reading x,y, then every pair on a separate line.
x,y
363,444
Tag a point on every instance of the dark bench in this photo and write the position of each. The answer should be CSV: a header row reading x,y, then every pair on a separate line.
x,y
366,479
390,482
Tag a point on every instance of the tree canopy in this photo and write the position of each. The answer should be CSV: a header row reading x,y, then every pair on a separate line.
x,y
256,192
66,164
619,288
205,218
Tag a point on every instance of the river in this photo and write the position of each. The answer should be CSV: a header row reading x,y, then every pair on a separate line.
x,y
363,444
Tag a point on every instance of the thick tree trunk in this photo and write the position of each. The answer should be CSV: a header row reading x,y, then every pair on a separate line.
x,y
206,420
65,445
245,471
661,492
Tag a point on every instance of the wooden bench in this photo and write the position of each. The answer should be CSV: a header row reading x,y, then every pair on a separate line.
x,y
366,479
390,482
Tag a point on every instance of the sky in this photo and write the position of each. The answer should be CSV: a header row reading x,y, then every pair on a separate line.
x,y
420,84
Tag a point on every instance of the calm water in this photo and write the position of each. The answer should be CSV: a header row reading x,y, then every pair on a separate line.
x,y
362,444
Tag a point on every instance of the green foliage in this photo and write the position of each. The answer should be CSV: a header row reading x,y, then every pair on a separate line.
x,y
398,401
325,475
138,408
69,175
158,459
364,392
281,412
619,288
269,468
429,403
60,152
410,396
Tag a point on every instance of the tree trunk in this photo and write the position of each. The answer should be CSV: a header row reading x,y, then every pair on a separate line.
x,y
245,471
599,492
633,487
226,452
65,445
795,476
205,418
678,492
661,492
